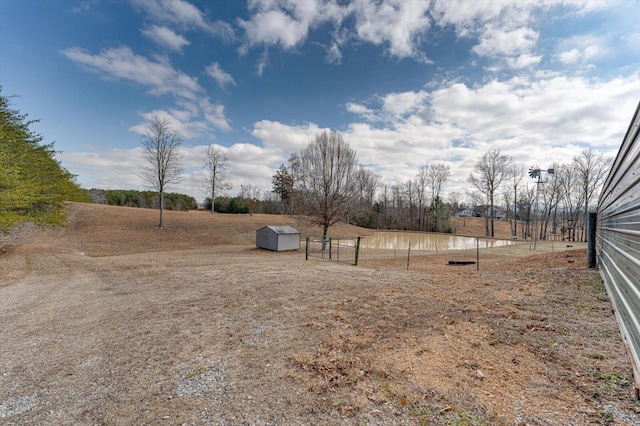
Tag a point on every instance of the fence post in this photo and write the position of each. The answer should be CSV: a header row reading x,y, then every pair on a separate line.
x,y
357,250
591,240
306,252
477,253
330,247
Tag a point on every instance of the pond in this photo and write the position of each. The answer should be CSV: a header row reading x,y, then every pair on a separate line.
x,y
392,240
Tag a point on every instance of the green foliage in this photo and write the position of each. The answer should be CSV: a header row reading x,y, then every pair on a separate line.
x,y
282,183
239,205
438,220
231,205
144,199
33,184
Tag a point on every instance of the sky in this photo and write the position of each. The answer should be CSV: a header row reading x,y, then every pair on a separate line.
x,y
407,83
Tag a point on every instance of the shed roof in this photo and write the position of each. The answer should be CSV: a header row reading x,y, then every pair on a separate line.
x,y
284,229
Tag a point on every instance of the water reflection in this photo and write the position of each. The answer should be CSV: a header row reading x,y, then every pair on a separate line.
x,y
425,241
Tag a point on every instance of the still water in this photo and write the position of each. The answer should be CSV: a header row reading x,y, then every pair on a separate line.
x,y
424,241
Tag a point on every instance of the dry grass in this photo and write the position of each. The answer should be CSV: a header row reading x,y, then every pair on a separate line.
x,y
112,321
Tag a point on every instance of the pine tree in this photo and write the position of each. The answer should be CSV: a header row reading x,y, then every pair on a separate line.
x,y
33,184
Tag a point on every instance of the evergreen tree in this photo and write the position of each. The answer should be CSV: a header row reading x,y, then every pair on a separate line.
x,y
33,184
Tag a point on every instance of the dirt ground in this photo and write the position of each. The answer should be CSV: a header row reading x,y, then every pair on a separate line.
x,y
111,320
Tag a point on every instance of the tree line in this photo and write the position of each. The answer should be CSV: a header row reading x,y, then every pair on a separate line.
x,y
33,184
545,201
326,183
144,199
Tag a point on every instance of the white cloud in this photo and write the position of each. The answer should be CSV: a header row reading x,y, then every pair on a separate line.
x,y
121,63
110,169
215,115
183,14
398,23
183,122
285,22
473,17
536,121
538,118
195,116
500,42
580,50
165,37
360,110
262,63
222,77
275,27
284,139
523,61
503,29
403,103
569,57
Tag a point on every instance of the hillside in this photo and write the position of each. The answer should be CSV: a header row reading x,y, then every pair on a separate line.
x,y
106,230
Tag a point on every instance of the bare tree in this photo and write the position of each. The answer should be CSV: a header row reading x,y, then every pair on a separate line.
x,y
408,191
161,146
250,194
421,183
455,200
326,178
526,200
516,173
386,189
216,167
476,201
398,204
294,166
591,169
571,198
367,182
491,170
551,195
437,176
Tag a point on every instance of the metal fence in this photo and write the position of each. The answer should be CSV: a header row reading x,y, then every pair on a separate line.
x,y
344,250
618,240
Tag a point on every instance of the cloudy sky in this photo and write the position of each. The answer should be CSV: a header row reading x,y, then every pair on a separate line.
x,y
407,82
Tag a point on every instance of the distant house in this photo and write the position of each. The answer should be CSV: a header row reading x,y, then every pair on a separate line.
x,y
278,238
465,213
501,215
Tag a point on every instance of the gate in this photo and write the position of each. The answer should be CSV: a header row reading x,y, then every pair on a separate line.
x,y
345,250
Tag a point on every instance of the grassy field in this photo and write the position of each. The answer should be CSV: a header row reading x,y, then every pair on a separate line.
x,y
113,321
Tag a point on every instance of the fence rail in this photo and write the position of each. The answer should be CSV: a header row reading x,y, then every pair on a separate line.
x,y
344,250
618,240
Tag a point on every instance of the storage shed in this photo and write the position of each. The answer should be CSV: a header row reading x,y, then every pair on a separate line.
x,y
278,238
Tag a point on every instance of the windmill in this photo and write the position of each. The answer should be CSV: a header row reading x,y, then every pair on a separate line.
x,y
535,172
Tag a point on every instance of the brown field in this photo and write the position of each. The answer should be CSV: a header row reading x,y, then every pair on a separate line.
x,y
113,321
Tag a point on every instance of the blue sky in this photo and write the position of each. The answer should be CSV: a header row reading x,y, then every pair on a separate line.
x,y
407,83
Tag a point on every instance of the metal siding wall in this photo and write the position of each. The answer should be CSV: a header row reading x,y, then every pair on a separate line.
x,y
618,239
288,242
266,239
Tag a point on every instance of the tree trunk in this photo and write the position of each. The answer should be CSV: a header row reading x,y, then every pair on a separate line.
x,y
161,210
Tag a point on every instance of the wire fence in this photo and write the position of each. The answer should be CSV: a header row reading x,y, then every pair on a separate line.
x,y
454,249
345,250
